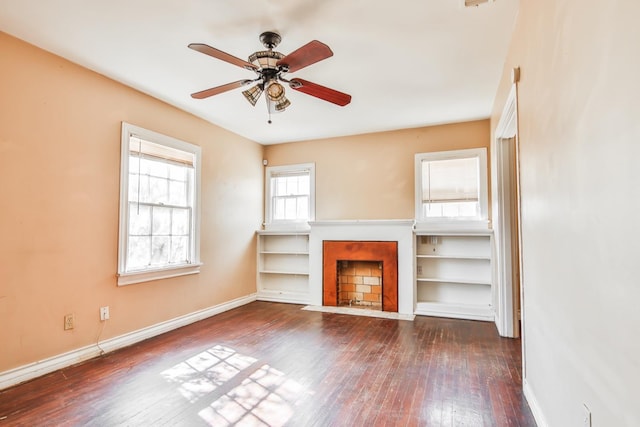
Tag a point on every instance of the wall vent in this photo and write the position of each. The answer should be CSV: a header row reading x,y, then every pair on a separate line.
x,y
475,3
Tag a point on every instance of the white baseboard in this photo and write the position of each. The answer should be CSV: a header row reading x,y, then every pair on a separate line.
x,y
286,297
455,311
51,364
534,405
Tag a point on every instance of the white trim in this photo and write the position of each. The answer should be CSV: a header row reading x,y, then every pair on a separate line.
x,y
482,226
364,222
51,364
541,421
465,223
508,120
501,171
289,225
282,232
288,297
455,311
129,277
452,232
162,273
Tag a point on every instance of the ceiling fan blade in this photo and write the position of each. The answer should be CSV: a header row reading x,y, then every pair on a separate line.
x,y
322,92
306,55
216,53
219,89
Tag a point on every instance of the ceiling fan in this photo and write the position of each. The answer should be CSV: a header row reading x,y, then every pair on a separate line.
x,y
271,67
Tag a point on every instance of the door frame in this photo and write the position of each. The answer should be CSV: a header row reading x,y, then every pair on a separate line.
x,y
506,220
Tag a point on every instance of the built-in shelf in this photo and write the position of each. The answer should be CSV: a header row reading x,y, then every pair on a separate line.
x,y
283,253
454,257
283,266
449,280
295,273
454,275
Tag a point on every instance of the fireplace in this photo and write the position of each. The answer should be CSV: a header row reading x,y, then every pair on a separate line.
x,y
383,253
362,233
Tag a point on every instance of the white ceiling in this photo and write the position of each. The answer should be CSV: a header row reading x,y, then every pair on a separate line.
x,y
406,63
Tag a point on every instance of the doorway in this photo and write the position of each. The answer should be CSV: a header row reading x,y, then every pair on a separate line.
x,y
506,217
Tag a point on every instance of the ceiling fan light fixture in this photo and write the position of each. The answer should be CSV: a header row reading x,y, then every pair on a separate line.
x,y
275,91
253,94
282,104
276,101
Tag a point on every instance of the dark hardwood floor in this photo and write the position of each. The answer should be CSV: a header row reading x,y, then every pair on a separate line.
x,y
275,364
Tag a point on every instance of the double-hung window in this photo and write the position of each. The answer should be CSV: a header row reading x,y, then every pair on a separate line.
x,y
451,186
159,215
290,195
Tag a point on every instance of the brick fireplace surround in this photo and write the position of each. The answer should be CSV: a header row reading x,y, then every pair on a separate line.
x,y
398,232
385,252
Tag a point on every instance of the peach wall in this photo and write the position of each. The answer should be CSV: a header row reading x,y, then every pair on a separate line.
x,y
372,176
59,195
579,109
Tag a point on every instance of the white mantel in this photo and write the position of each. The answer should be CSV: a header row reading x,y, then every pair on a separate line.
x,y
400,231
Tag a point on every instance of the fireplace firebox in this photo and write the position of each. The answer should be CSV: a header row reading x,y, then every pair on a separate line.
x,y
385,253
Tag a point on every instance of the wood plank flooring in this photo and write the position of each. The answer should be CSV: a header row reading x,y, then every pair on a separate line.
x,y
277,365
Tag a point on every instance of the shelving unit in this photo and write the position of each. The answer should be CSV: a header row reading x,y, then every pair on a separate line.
x,y
454,275
283,266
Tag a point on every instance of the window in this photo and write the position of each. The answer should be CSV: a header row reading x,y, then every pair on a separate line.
x,y
290,195
159,215
452,186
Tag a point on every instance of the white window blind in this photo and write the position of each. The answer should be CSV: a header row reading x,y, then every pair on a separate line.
x,y
452,180
140,147
452,186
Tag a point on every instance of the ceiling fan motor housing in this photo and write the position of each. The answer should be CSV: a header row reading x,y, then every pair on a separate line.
x,y
270,39
266,59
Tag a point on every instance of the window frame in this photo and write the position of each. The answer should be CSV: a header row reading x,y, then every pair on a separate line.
x,y
137,276
270,171
479,221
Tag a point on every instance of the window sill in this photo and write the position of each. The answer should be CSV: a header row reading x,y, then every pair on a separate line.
x,y
163,273
287,226
453,225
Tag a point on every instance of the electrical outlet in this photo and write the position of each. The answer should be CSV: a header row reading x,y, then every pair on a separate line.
x,y
68,322
419,270
104,313
586,416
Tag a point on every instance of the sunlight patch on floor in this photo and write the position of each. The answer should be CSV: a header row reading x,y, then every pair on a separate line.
x,y
203,373
240,392
267,398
